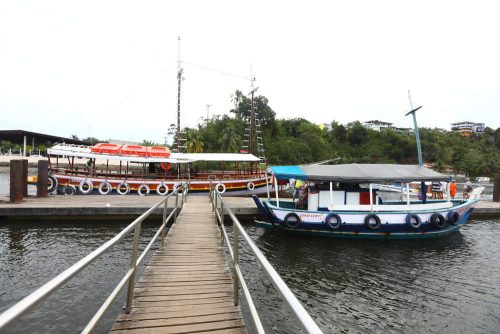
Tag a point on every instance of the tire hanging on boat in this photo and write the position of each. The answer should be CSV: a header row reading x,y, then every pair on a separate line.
x,y
333,221
372,225
85,187
162,189
143,187
413,221
104,188
123,188
292,220
438,220
250,186
221,188
69,190
52,184
453,217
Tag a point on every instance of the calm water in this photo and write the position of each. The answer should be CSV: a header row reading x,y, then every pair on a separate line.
x,y
448,285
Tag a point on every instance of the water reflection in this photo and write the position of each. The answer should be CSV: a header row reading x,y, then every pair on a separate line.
x,y
385,286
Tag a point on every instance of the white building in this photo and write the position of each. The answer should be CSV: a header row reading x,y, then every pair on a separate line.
x,y
467,128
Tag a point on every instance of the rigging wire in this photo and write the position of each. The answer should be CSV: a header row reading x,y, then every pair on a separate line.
x,y
217,71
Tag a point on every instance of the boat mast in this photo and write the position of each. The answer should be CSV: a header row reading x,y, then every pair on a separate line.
x,y
179,80
417,136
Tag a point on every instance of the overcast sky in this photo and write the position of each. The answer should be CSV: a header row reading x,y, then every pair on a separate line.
x,y
107,69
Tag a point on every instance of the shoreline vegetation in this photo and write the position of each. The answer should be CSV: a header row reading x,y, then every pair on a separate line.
x,y
299,141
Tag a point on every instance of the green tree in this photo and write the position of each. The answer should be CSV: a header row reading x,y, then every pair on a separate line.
x,y
194,143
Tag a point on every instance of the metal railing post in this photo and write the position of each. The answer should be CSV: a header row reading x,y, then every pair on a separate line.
x,y
221,222
235,265
165,207
133,266
176,206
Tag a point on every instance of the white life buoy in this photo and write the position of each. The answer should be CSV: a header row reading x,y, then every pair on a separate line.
x,y
123,188
162,189
105,188
250,186
85,187
69,190
143,190
221,188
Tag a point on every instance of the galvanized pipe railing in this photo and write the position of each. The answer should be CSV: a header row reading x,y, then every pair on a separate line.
x,y
41,294
305,320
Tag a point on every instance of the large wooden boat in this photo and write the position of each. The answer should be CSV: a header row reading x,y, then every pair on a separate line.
x,y
111,168
340,201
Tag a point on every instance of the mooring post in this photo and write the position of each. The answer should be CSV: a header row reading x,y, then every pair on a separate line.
x,y
43,179
16,181
496,190
25,177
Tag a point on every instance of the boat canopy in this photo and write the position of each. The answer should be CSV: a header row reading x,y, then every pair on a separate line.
x,y
358,173
81,151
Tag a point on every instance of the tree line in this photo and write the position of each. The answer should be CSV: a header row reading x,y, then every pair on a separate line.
x,y
298,141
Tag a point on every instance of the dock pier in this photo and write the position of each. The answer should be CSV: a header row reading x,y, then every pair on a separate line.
x,y
186,286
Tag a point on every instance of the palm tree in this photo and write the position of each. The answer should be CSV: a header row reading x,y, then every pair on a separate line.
x,y
229,141
194,143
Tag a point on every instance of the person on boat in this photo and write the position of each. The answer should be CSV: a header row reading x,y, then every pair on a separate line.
x,y
436,186
423,193
298,185
453,188
467,189
301,202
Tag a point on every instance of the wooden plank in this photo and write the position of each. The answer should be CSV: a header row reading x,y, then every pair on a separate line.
x,y
186,286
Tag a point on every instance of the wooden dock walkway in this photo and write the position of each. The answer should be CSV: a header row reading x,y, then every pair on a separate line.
x,y
186,287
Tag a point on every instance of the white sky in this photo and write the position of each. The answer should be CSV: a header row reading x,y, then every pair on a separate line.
x,y
107,69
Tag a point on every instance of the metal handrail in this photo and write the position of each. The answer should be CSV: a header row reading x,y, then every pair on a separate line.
x,y
41,294
287,295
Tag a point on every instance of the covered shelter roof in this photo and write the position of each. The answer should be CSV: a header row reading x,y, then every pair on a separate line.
x,y
83,151
358,173
17,136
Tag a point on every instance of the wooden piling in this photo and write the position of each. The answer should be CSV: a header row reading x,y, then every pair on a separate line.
x,y
496,190
42,181
16,181
25,177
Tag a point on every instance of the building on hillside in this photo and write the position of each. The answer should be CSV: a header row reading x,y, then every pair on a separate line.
x,y
379,126
467,128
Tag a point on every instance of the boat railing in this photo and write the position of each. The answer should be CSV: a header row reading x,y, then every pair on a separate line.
x,y
221,208
30,302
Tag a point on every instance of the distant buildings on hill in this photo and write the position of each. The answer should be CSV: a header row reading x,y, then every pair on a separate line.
x,y
467,128
379,126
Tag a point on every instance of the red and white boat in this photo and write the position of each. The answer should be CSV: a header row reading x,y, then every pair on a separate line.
x,y
113,168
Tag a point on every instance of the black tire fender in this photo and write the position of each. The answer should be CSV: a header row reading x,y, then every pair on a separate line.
x,y
370,224
333,221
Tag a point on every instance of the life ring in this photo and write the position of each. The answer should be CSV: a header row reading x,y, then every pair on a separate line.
x,y
143,187
69,190
52,184
104,188
250,186
221,188
167,167
123,188
292,220
369,221
162,189
453,217
334,221
438,220
413,221
85,187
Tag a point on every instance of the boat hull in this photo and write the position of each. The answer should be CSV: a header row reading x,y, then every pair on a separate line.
x,y
393,225
241,187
